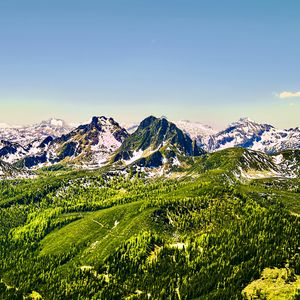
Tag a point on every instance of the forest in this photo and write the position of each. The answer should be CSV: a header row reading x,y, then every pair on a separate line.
x,y
97,235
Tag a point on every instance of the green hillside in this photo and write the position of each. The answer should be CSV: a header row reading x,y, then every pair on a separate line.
x,y
202,233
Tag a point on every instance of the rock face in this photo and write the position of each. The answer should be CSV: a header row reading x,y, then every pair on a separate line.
x,y
154,141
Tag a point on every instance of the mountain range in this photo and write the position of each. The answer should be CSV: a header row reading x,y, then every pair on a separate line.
x,y
154,143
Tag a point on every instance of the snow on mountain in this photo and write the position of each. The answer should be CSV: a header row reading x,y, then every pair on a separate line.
x,y
243,133
246,133
93,143
197,131
28,133
88,145
11,152
277,140
131,127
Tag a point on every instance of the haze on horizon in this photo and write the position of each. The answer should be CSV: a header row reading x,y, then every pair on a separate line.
x,y
200,60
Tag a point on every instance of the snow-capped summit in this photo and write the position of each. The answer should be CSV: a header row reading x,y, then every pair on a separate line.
x,y
246,133
241,121
54,123
88,145
195,129
242,133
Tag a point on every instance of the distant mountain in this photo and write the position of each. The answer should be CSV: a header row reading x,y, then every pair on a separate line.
x,y
156,141
243,133
277,140
24,135
87,145
248,134
197,131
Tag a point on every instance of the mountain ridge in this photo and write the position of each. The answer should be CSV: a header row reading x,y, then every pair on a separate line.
x,y
153,143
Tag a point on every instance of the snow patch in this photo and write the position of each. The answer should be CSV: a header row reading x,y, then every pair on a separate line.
x,y
135,156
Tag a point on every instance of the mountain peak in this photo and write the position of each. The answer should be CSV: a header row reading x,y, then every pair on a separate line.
x,y
53,122
243,121
158,137
147,122
246,119
103,121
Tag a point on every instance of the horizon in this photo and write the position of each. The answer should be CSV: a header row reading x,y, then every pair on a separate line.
x,y
199,61
127,125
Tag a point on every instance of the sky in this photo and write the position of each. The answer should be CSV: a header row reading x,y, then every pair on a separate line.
x,y
208,61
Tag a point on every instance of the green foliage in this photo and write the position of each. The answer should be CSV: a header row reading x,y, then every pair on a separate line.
x,y
91,235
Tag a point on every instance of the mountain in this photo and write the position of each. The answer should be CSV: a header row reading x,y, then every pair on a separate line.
x,y
276,140
246,164
243,133
26,134
11,152
248,134
8,171
156,141
197,131
88,145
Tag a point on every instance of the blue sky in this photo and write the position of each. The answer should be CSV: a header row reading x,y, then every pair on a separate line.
x,y
208,61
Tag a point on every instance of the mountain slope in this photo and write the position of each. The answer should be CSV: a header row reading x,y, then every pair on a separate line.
x,y
276,140
155,141
9,171
11,152
246,164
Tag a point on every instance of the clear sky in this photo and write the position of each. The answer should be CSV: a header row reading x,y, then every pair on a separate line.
x,y
211,61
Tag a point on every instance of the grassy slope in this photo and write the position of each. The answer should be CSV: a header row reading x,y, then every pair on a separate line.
x,y
96,233
284,190
96,236
274,284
